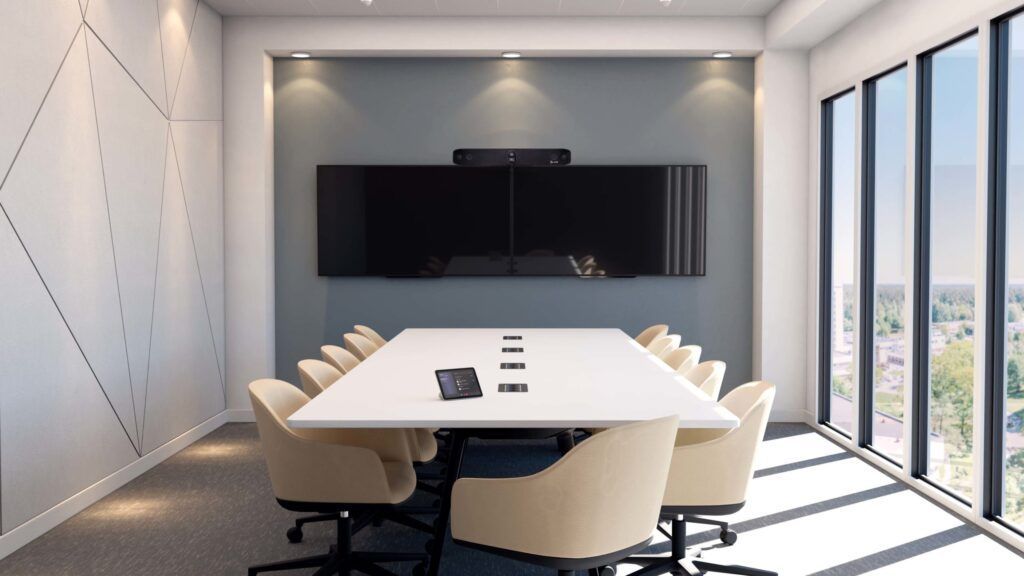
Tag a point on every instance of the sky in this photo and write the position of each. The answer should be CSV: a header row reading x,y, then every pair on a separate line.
x,y
953,173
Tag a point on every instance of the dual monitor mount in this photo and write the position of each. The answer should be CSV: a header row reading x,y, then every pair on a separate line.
x,y
511,157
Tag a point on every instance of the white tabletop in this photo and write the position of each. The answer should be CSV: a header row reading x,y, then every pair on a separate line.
x,y
577,378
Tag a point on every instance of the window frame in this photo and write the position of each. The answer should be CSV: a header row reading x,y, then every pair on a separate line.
x,y
866,386
825,271
996,277
921,373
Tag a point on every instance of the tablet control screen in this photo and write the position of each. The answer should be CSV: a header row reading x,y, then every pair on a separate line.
x,y
458,383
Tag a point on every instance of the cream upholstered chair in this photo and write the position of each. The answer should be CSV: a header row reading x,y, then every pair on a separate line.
x,y
708,377
651,334
360,346
683,358
316,376
710,474
327,471
665,343
371,334
596,505
342,360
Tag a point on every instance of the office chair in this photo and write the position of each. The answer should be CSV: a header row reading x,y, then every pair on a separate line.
x,y
370,333
328,470
651,334
316,376
708,377
659,345
710,474
360,346
595,506
683,358
342,360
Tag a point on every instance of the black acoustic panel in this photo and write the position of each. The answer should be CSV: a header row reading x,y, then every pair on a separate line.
x,y
513,387
511,337
511,350
513,365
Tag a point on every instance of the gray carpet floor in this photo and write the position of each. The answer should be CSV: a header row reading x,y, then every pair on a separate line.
x,y
209,510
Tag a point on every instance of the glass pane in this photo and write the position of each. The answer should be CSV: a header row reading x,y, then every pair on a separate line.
x,y
843,142
1013,462
890,157
953,170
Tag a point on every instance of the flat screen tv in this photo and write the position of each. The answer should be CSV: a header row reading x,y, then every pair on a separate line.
x,y
433,221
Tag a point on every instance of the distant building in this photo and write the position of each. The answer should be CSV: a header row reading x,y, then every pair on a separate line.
x,y
838,318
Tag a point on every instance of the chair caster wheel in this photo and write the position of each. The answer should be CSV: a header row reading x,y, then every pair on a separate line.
x,y
607,571
294,534
728,537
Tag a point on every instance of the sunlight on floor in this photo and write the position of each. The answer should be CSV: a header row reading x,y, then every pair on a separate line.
x,y
814,511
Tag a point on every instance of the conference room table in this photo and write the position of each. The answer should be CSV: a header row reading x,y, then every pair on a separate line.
x,y
576,378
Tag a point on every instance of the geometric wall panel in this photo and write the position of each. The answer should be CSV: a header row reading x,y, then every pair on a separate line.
x,y
176,18
133,141
58,434
184,379
27,68
56,202
199,89
199,149
131,29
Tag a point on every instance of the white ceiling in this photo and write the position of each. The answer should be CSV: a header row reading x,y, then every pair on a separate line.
x,y
493,7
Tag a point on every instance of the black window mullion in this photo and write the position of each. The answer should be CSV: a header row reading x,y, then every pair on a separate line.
x,y
995,356
825,244
922,282
867,266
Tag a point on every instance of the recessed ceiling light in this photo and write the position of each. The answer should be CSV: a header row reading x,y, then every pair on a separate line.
x,y
721,54
300,54
366,2
511,55
665,3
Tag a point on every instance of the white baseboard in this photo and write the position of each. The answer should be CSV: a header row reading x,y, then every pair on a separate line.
x,y
240,415
39,525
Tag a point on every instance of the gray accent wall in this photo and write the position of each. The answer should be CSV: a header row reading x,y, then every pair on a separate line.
x,y
607,111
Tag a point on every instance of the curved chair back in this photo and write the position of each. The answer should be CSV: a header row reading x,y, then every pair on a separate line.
x,y
316,376
708,377
360,346
712,475
651,334
342,360
371,334
664,344
314,465
684,358
602,497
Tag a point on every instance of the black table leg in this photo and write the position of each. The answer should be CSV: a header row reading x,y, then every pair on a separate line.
x,y
457,447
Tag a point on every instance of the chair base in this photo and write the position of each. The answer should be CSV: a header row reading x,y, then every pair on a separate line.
x,y
398,514
677,562
341,559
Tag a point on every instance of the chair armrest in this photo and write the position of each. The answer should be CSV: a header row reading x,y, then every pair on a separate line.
x,y
306,470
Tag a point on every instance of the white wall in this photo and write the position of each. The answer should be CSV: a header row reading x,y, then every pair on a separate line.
x,y
111,246
780,207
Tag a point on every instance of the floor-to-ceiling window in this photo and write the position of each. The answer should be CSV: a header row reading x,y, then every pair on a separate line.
x,y
947,173
884,273
1006,439
837,289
